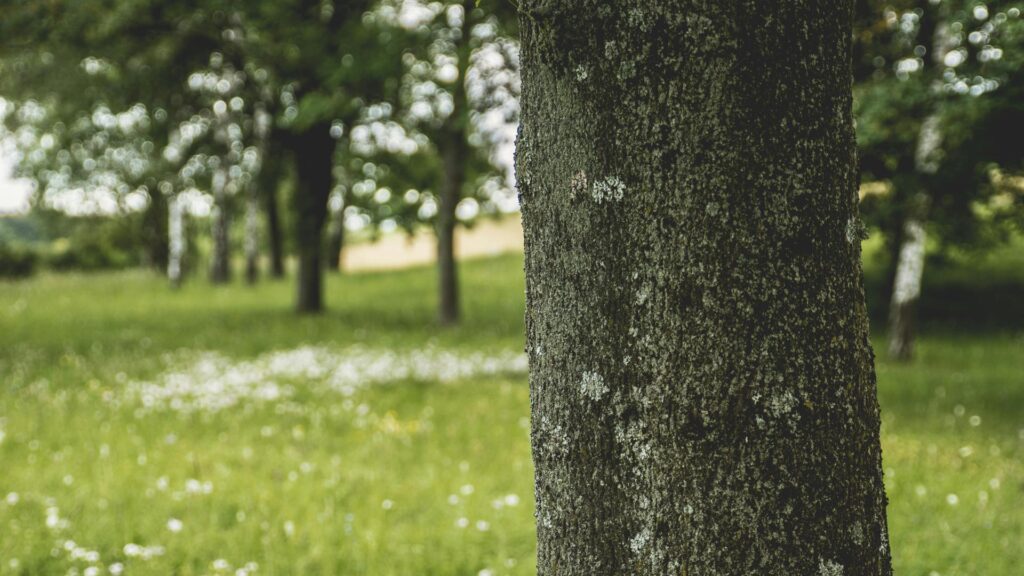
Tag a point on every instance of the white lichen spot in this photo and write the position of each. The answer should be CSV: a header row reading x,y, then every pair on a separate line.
x,y
643,294
781,404
553,438
611,50
635,443
639,542
852,230
829,568
592,386
610,189
857,533
582,73
578,185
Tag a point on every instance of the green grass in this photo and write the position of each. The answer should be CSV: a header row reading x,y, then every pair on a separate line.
x,y
407,477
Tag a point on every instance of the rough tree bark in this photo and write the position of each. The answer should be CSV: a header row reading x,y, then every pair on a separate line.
x,y
220,265
176,240
313,151
454,148
703,390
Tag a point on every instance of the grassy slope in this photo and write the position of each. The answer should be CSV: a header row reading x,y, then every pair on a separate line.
x,y
322,486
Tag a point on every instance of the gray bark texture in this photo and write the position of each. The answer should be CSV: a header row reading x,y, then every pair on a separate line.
x,y
702,386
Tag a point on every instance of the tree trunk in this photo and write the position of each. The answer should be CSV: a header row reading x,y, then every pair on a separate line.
x,y
176,240
261,132
336,238
906,289
927,159
454,151
270,183
220,266
153,232
313,152
702,385
252,235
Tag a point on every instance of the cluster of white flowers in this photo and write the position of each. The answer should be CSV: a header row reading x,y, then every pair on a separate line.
x,y
212,382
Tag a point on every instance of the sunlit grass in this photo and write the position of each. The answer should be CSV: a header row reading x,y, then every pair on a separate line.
x,y
403,476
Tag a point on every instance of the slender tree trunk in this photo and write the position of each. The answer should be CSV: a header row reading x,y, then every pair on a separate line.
x,y
313,152
702,385
453,157
252,235
220,267
270,182
262,121
336,237
454,154
176,240
906,290
910,265
154,233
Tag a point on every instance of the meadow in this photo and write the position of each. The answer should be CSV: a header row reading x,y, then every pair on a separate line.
x,y
211,431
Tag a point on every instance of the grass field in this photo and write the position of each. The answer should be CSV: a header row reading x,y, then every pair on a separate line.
x,y
209,431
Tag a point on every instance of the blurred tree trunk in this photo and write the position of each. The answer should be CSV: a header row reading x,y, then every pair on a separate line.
x,y
176,240
261,132
702,386
906,290
252,234
336,237
154,232
271,175
313,151
220,266
910,265
454,148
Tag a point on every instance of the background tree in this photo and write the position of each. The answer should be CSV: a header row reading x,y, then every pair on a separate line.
x,y
703,392
460,88
932,75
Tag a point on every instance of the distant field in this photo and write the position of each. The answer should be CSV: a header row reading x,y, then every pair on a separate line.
x,y
210,431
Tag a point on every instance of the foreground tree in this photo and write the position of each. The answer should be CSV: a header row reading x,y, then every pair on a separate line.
x,y
703,391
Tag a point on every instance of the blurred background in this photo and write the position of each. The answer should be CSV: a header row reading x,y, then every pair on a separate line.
x,y
261,289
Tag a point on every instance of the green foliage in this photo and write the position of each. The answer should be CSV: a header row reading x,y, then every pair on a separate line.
x,y
959,63
94,242
17,261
